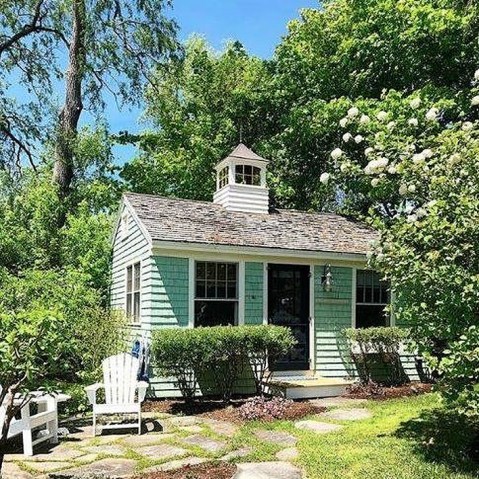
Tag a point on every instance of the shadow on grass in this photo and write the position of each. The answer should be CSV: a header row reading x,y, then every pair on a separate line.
x,y
444,437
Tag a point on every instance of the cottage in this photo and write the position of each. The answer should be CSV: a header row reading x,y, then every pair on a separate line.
x,y
184,263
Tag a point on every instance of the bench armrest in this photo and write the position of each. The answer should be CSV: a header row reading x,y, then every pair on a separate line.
x,y
91,392
142,387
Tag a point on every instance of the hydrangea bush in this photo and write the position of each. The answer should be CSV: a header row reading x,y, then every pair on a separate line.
x,y
411,162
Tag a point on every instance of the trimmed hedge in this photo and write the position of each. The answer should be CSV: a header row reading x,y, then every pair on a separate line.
x,y
186,353
378,349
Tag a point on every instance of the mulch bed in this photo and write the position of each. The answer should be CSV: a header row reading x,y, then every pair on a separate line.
x,y
380,393
224,412
206,470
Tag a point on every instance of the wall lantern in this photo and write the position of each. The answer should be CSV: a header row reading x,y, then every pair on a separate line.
x,y
327,279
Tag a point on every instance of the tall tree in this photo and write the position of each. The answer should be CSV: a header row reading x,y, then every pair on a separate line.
x,y
94,47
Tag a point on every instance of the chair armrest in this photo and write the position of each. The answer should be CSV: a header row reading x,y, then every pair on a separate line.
x,y
142,387
91,392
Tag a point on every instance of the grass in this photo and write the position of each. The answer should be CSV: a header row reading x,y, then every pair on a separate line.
x,y
408,438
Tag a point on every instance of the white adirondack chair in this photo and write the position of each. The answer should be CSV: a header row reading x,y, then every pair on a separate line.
x,y
45,419
123,392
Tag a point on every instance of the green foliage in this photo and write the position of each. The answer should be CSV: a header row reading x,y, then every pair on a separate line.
x,y
224,351
378,344
200,106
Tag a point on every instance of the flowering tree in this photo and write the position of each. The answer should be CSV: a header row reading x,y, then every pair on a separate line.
x,y
413,162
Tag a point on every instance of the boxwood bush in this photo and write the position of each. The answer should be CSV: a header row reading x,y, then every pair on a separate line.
x,y
375,352
223,351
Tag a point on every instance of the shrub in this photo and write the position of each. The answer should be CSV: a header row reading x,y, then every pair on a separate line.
x,y
260,408
222,350
381,345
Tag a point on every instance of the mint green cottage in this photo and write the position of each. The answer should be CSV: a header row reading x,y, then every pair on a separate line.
x,y
236,260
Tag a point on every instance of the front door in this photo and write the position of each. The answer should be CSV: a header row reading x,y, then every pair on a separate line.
x,y
288,305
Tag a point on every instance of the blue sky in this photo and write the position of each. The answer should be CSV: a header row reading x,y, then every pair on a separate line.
x,y
258,24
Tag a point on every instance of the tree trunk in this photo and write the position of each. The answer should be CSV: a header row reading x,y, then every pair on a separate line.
x,y
69,115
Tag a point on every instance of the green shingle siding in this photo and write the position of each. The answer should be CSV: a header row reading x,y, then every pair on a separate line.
x,y
332,314
253,304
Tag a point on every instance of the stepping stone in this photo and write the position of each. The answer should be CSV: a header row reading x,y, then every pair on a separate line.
x,y
207,444
267,470
11,470
288,454
244,451
354,414
336,401
87,458
111,468
48,466
176,464
193,428
182,421
145,440
59,453
277,437
109,450
317,427
222,428
162,451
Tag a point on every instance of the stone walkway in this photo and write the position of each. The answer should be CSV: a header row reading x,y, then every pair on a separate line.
x,y
171,442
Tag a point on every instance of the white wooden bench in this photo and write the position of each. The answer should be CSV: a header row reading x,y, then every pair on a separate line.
x,y
44,420
123,392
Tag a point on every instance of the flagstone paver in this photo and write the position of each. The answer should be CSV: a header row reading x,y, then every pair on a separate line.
x,y
182,421
205,443
353,414
58,453
176,464
267,470
242,452
48,466
222,428
317,426
108,449
87,458
193,428
145,439
288,454
336,401
11,470
116,468
277,437
161,451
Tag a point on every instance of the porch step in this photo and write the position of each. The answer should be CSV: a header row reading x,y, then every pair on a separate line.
x,y
295,387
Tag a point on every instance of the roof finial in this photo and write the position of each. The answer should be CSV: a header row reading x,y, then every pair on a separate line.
x,y
241,132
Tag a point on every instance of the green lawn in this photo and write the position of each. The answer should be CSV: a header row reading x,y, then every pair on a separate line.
x,y
411,438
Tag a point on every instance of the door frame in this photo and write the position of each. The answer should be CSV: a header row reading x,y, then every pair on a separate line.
x,y
312,335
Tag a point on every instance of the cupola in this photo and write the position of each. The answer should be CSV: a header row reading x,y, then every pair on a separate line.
x,y
241,182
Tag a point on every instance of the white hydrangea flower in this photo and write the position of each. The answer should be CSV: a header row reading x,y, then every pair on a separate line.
x,y
403,190
413,122
411,188
353,112
475,100
415,103
427,153
455,158
344,167
375,182
412,218
347,137
391,125
476,75
369,151
382,115
324,178
421,213
358,138
418,158
431,115
364,120
336,153
392,170
376,166
343,122
467,126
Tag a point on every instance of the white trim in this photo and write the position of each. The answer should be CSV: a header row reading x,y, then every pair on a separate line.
x,y
271,255
265,293
191,292
141,226
312,338
353,297
241,291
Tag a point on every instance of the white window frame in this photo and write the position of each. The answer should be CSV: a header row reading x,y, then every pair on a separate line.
x,y
131,318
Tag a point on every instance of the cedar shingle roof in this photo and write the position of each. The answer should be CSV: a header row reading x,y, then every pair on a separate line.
x,y
243,152
171,219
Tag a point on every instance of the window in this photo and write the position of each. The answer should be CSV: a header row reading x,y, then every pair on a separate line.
x,y
223,177
248,175
133,286
216,293
372,296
